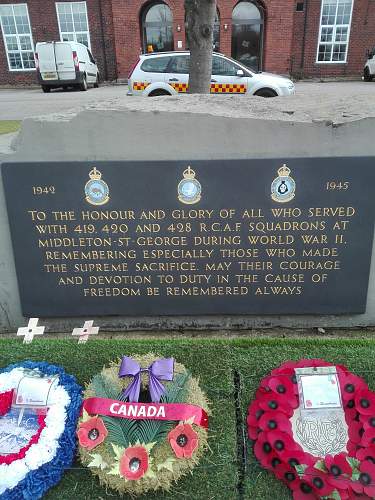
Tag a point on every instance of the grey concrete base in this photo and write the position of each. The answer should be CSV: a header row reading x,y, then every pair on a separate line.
x,y
134,135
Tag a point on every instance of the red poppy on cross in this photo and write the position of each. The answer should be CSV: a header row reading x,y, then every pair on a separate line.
x,y
83,333
30,330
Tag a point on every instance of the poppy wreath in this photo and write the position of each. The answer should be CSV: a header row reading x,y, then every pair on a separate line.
x,y
37,466
144,424
349,474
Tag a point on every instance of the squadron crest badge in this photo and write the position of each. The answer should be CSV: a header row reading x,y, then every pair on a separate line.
x,y
283,187
189,190
96,190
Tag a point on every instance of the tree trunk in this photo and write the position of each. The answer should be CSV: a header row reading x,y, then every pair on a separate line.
x,y
200,17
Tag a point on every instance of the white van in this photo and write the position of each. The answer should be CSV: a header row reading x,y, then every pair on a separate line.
x,y
369,70
65,64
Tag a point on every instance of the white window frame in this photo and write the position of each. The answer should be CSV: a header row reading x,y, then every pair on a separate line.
x,y
73,32
18,37
334,28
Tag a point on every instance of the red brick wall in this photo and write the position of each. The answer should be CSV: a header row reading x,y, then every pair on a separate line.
x,y
277,39
44,26
116,35
362,37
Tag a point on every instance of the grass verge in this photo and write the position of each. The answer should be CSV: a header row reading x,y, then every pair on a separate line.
x,y
216,475
8,126
224,473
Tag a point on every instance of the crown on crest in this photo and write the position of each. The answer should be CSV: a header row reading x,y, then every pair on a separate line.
x,y
284,171
189,173
94,174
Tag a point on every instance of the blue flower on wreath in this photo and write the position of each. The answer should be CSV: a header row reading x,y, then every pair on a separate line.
x,y
38,481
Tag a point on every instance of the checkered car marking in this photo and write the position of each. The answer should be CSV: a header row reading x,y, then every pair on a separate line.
x,y
140,85
228,88
216,88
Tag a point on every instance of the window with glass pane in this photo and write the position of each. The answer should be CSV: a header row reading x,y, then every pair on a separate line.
x,y
334,30
222,67
73,23
15,25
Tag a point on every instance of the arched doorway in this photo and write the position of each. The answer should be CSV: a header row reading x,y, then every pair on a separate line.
x,y
157,28
247,34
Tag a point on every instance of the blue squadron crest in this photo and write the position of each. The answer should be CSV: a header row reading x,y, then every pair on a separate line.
x,y
96,190
283,187
189,190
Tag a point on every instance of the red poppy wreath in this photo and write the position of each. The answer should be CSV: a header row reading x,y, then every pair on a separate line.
x,y
144,424
335,461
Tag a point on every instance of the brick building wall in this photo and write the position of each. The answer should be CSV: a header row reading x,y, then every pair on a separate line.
x,y
289,43
362,37
44,26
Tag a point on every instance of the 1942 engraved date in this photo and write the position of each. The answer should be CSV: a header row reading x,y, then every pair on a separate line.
x,y
39,190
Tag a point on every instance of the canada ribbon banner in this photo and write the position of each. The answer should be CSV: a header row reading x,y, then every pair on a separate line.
x,y
150,411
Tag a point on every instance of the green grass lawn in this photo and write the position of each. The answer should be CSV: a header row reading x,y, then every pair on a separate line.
x,y
216,475
8,126
217,363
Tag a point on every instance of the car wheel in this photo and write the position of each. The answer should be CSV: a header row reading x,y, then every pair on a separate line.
x,y
83,85
96,84
157,92
46,89
266,93
367,76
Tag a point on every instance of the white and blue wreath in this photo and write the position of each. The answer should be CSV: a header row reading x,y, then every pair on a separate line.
x,y
39,465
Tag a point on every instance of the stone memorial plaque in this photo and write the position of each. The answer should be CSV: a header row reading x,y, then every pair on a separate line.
x,y
272,236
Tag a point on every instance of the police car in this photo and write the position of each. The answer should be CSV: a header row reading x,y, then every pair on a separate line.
x,y
167,73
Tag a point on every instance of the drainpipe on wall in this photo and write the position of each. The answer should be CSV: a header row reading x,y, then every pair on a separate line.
x,y
302,66
103,40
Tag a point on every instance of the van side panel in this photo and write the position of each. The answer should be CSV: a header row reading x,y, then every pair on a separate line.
x,y
64,61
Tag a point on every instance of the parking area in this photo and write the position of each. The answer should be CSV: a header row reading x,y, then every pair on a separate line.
x,y
18,104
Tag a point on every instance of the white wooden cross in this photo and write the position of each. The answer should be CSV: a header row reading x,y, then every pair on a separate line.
x,y
30,330
84,332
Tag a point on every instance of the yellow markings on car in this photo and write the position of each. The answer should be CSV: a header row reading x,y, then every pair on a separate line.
x,y
228,88
140,85
216,88
180,87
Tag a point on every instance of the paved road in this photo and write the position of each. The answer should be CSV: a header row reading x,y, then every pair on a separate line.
x,y
18,104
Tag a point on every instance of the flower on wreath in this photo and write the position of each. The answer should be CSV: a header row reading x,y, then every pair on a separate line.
x,y
349,475
5,402
350,385
276,403
366,454
271,421
368,438
366,481
303,491
365,402
318,480
287,475
133,463
339,470
183,440
92,432
285,388
368,421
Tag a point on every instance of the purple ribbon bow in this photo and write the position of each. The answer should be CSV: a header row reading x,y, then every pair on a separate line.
x,y
161,369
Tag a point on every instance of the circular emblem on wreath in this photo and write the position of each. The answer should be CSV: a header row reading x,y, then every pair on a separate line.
x,y
36,442
283,187
144,424
189,189
328,458
96,190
